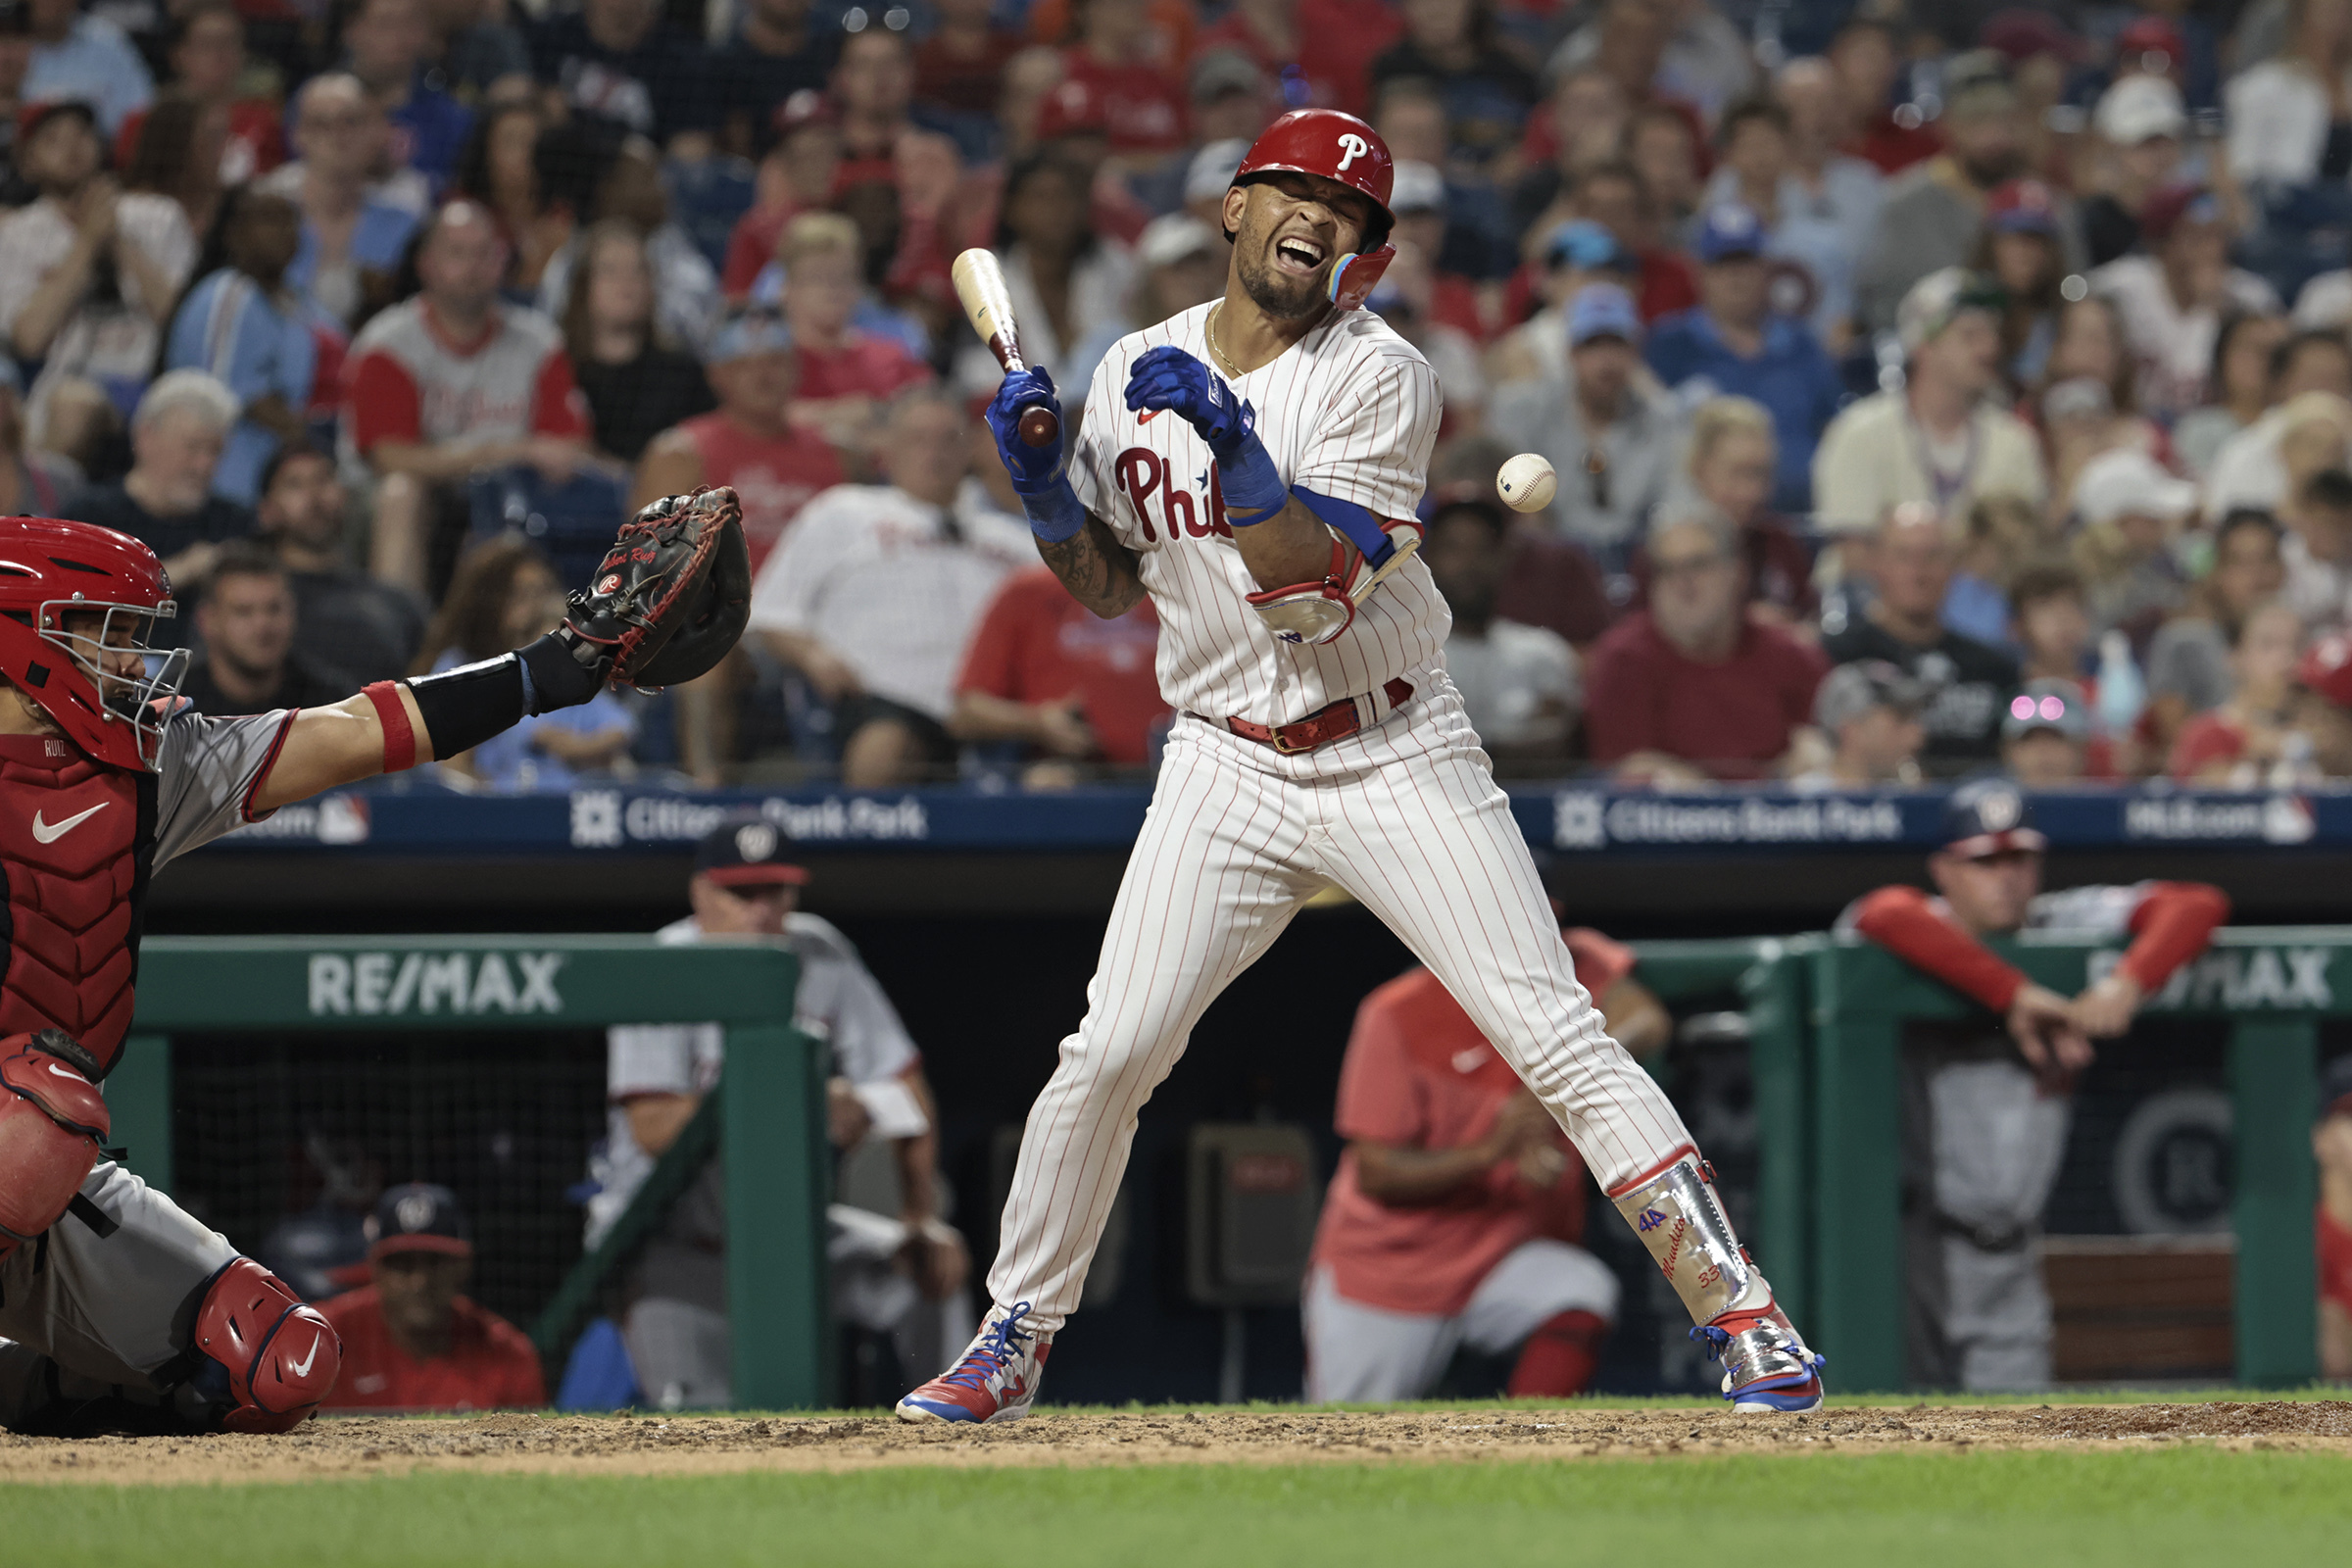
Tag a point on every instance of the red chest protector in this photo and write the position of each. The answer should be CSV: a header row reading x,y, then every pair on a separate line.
x,y
76,844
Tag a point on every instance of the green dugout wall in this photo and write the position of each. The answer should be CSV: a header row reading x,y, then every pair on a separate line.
x,y
766,1120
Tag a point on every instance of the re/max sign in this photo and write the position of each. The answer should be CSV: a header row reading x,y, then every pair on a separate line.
x,y
2232,979
462,983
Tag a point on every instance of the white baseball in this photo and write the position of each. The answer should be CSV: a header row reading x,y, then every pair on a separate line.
x,y
1526,483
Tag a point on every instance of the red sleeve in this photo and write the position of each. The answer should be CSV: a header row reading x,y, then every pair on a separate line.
x,y
991,664
2206,738
1601,962
1379,1090
1899,920
1620,712
557,406
526,1384
384,401
2173,924
750,246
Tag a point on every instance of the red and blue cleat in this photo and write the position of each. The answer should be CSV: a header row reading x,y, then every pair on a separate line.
x,y
995,1380
1767,1369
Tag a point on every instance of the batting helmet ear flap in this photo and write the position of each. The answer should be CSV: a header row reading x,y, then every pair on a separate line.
x,y
1353,277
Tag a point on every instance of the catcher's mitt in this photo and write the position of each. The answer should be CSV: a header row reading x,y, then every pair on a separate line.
x,y
672,596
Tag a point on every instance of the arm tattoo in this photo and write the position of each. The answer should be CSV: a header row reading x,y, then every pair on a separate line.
x,y
1099,572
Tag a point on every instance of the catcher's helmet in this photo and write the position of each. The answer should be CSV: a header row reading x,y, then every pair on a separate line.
x,y
73,597
1338,147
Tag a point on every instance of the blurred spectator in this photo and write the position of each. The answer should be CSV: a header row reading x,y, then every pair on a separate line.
x,y
1837,186
2131,512
1612,442
411,1342
1734,343
1551,582
2046,736
88,275
386,43
1614,196
1795,226
1868,714
1455,46
455,382
1930,218
1456,1210
30,481
2002,536
686,297
343,619
2317,550
2287,116
1066,281
872,86
848,375
1114,54
1663,147
1582,126
477,52
898,1267
2049,621
2239,386
1452,299
1041,670
504,595
245,327
775,53
795,174
1326,46
618,61
178,155
1692,687
1986,1109
353,237
2174,297
960,66
1866,58
1180,263
2019,252
1519,683
2252,738
1968,684
749,442
1579,252
208,60
1030,78
875,591
167,499
637,381
1936,439
501,171
245,629
2188,659
2332,1147
83,59
1730,464
2301,433
2142,119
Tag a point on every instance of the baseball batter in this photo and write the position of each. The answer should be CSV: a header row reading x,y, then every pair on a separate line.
x,y
1253,465
117,1308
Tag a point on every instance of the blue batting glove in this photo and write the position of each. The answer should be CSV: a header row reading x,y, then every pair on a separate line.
x,y
1035,470
1166,378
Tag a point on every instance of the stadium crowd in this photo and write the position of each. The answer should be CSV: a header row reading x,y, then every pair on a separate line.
x,y
1933,388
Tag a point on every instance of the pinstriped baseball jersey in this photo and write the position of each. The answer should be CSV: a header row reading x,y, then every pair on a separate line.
x,y
1349,412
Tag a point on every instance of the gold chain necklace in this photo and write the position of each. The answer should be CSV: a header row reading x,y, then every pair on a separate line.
x,y
1209,331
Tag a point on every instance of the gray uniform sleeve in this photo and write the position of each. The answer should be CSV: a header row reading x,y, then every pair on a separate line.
x,y
844,1004
210,769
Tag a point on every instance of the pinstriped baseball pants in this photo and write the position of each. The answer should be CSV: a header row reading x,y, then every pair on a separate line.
x,y
1407,818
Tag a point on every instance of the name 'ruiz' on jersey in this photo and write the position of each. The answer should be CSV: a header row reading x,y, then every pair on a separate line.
x,y
1350,412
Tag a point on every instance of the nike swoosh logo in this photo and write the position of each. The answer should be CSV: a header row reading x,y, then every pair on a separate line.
x,y
302,1368
1470,1060
1145,416
46,833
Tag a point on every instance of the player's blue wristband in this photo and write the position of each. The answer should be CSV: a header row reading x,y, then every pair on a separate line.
x,y
1056,514
1254,491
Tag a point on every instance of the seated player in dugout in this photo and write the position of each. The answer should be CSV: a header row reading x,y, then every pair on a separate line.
x,y
1457,1210
2332,1147
1986,1103
411,1342
118,1310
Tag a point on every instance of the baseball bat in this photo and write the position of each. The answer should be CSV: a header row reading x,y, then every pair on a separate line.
x,y
980,284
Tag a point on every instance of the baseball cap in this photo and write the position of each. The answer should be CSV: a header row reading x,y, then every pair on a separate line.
x,y
1852,690
1222,72
753,329
1938,299
2019,35
37,114
1418,188
2128,483
2326,669
1977,86
418,1217
2049,704
747,852
2173,205
2138,108
1172,237
806,106
1587,247
2152,35
1072,109
1602,309
1210,174
1730,229
2022,207
1988,817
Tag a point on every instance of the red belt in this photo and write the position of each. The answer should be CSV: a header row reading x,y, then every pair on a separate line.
x,y
1338,721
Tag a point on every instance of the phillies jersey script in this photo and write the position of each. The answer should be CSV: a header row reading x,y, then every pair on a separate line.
x,y
1349,412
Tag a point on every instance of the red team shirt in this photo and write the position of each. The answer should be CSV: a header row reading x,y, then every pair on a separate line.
x,y
412,381
1143,104
1418,1074
2336,1259
1036,644
490,1364
1733,718
774,476
865,365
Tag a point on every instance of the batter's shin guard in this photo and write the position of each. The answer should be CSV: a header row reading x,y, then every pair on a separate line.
x,y
280,1354
1766,1365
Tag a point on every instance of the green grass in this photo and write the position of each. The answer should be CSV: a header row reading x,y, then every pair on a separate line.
x,y
2131,1508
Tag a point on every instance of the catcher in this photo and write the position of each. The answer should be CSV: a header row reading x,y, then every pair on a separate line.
x,y
119,1311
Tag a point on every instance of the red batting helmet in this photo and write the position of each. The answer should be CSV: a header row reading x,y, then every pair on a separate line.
x,y
1338,147
51,571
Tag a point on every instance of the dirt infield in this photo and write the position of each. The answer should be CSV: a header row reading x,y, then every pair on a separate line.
x,y
652,1445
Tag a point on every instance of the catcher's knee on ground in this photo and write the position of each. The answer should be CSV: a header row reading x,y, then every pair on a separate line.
x,y
266,1357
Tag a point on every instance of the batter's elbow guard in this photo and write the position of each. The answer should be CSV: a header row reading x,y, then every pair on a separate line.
x,y
52,1121
278,1354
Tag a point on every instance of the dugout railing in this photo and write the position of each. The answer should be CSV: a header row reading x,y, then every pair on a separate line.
x,y
769,1118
